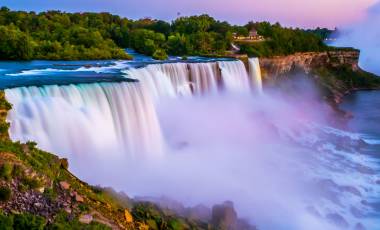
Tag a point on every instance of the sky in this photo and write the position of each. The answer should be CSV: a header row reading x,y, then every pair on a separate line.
x,y
297,13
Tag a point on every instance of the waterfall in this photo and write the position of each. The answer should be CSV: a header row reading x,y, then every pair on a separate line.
x,y
234,76
255,74
164,80
105,118
67,119
320,169
186,79
204,77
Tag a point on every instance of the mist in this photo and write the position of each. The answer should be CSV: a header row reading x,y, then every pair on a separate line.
x,y
272,154
364,35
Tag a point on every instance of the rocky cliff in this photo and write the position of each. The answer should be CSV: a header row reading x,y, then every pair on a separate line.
x,y
336,73
276,66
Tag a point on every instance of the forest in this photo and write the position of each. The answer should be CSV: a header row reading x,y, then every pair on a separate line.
x,y
56,35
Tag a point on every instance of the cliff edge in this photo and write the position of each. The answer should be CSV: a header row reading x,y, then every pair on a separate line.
x,y
336,73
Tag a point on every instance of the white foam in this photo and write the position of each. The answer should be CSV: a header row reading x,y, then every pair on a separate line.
x,y
97,69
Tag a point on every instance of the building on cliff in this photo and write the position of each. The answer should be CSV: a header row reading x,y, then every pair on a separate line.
x,y
253,36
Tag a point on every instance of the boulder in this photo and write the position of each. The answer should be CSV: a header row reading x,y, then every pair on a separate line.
x,y
78,198
86,219
64,185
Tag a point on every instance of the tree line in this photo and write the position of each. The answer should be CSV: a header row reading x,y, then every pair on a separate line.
x,y
57,35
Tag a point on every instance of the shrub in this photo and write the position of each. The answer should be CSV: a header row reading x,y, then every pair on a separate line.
x,y
6,222
6,171
160,54
5,193
31,183
50,194
28,221
17,171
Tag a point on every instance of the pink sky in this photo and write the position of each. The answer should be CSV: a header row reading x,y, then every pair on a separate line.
x,y
305,13
290,12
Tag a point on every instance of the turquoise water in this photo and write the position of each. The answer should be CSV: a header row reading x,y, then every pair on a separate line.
x,y
39,72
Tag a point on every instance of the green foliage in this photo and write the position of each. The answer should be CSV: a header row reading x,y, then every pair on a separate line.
x,y
160,54
61,36
146,210
31,183
348,78
71,36
6,171
147,41
63,222
179,44
155,218
6,222
323,33
14,43
50,194
28,221
5,193
281,41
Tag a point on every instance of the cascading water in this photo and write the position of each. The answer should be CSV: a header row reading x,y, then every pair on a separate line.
x,y
166,80
255,74
204,78
112,118
266,155
185,79
234,76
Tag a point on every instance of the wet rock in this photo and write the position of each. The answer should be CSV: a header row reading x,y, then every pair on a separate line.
x,y
337,220
224,216
86,219
64,185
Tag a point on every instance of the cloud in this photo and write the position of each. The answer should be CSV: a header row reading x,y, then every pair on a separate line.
x,y
365,36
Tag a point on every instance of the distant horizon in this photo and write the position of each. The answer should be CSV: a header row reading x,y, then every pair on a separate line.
x,y
324,13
